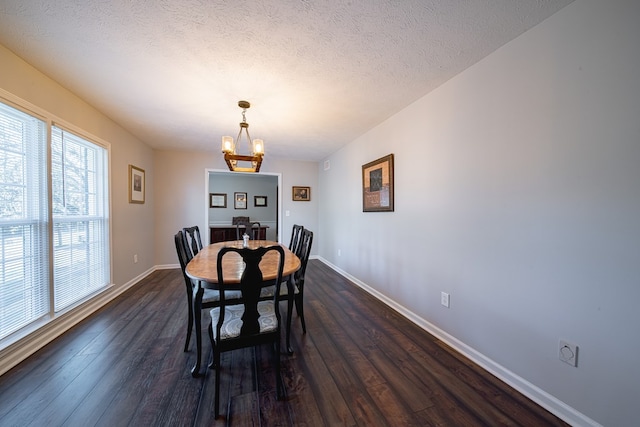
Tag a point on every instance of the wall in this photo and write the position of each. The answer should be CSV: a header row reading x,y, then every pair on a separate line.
x,y
517,192
182,198
132,224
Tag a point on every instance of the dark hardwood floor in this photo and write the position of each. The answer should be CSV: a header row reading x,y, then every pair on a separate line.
x,y
360,364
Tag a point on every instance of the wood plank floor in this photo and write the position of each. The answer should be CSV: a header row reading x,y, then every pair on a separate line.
x,y
360,364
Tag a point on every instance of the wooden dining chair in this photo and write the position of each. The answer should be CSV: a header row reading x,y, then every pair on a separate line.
x,y
238,219
252,228
193,240
252,323
296,232
210,298
294,288
304,250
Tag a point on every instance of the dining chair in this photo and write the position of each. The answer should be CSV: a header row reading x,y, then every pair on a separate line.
x,y
252,323
294,288
238,219
248,227
304,250
192,236
296,232
210,298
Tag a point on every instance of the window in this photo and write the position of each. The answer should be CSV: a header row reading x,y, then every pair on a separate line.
x,y
74,244
24,247
80,221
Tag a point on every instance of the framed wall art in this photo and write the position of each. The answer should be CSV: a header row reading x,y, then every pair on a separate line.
x,y
136,184
259,201
240,200
301,194
377,185
217,200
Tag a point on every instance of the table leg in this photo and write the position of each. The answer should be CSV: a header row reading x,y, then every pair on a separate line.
x,y
197,316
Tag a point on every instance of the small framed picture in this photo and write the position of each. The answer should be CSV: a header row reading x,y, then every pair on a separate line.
x,y
301,194
136,184
377,185
217,200
240,200
259,201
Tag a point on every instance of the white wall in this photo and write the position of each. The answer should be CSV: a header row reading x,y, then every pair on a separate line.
x,y
517,192
181,196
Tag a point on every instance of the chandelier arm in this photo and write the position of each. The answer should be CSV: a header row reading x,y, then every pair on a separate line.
x,y
238,141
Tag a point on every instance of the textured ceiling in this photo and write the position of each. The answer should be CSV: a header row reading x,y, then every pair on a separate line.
x,y
317,73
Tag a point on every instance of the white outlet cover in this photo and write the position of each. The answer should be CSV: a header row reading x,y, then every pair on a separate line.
x,y
444,299
568,353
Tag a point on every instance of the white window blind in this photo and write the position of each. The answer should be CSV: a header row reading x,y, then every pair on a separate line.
x,y
80,218
24,245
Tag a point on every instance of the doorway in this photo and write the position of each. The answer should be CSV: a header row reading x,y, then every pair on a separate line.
x,y
257,196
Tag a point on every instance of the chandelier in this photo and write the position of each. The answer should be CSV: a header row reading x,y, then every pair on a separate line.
x,y
256,147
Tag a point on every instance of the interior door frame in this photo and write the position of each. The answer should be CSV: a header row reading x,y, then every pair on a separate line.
x,y
208,172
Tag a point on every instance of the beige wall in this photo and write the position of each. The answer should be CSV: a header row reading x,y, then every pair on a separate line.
x,y
132,224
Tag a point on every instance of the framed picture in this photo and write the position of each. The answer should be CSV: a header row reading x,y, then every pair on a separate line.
x,y
259,201
240,200
377,185
217,200
136,184
301,194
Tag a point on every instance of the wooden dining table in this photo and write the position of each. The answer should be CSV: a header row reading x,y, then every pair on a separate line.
x,y
203,269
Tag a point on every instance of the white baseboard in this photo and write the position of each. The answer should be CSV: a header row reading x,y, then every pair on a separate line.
x,y
49,330
542,398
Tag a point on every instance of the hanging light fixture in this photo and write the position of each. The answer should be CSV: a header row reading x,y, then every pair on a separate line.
x,y
256,147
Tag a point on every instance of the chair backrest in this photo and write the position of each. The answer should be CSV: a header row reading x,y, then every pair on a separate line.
x,y
192,239
183,257
239,219
247,227
250,284
304,249
296,233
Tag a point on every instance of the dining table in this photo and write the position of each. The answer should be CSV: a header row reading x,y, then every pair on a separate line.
x,y
203,270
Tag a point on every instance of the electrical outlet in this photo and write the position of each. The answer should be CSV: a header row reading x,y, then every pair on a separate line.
x,y
444,299
568,353
135,258
339,252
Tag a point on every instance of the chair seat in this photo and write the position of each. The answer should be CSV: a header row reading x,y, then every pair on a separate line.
x,y
268,291
233,319
211,295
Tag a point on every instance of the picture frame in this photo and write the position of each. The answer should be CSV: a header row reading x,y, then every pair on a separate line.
x,y
217,200
300,194
377,185
136,184
239,200
260,201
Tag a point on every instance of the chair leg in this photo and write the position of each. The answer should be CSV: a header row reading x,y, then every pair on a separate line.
x,y
300,311
189,324
290,301
197,306
279,384
216,361
213,348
